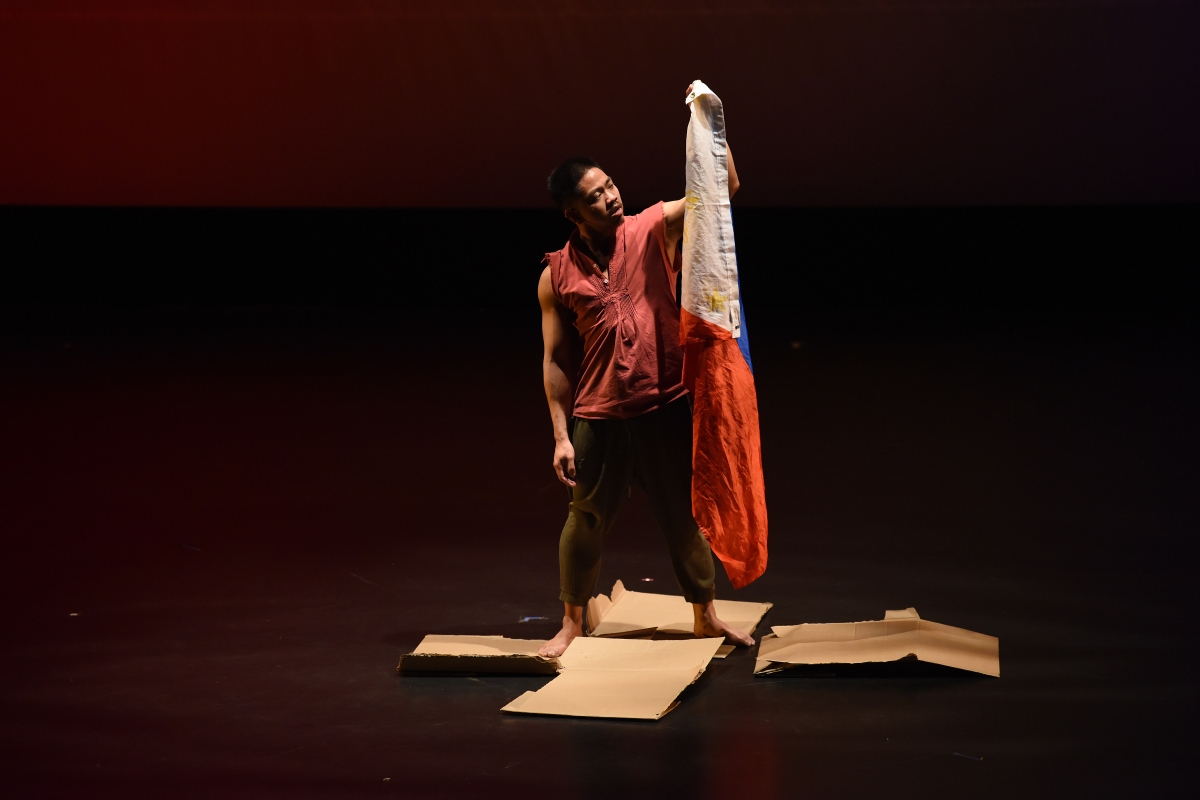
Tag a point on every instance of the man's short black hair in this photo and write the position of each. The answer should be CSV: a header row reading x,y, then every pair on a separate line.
x,y
563,183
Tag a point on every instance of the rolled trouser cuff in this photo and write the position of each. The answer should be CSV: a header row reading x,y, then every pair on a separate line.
x,y
574,599
701,597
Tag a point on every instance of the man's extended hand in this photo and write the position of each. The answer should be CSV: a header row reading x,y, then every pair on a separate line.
x,y
564,462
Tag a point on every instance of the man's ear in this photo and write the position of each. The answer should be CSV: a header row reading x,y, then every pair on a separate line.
x,y
572,215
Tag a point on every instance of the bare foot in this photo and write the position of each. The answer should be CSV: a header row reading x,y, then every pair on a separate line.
x,y
709,625
572,627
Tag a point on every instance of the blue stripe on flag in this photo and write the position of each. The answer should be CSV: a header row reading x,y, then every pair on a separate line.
x,y
744,339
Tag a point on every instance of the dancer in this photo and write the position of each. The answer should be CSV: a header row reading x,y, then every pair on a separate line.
x,y
612,361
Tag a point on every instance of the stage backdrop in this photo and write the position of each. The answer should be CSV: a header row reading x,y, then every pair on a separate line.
x,y
470,102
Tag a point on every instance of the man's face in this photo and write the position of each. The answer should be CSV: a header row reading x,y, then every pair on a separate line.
x,y
599,203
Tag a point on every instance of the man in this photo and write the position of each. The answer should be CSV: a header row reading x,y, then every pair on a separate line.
x,y
612,360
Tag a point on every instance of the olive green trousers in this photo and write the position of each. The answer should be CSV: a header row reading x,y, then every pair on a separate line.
x,y
653,451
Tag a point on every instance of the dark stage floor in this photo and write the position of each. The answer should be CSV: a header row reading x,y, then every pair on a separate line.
x,y
223,528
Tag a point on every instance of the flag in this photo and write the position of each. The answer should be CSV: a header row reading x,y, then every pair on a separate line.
x,y
728,494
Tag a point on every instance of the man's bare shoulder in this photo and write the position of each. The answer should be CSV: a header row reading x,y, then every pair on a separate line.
x,y
546,289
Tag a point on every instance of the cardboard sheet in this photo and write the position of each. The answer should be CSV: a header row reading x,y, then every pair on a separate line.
x,y
477,655
620,678
900,635
641,614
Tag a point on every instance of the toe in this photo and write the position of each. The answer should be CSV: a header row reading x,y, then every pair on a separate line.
x,y
741,638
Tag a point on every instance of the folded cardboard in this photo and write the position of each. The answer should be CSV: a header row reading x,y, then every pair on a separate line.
x,y
899,636
640,614
628,614
477,655
621,678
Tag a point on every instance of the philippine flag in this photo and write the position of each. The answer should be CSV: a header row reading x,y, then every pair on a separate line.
x,y
728,495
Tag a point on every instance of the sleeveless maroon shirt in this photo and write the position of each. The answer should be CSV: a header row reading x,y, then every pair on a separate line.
x,y
632,362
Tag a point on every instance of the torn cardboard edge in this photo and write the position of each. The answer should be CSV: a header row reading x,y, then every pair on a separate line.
x,y
620,678
630,614
901,636
476,655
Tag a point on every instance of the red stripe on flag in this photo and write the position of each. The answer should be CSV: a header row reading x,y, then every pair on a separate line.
x,y
728,494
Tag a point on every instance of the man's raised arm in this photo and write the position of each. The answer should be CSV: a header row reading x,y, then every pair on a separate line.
x,y
560,390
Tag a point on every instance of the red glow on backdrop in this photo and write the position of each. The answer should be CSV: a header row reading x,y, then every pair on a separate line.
x,y
469,103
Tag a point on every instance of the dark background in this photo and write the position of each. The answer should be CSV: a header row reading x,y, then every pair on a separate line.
x,y
939,271
470,103
272,411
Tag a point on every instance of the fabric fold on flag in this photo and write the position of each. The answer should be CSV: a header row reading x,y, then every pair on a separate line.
x,y
728,492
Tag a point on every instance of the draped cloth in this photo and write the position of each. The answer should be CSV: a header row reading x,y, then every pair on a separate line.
x,y
728,493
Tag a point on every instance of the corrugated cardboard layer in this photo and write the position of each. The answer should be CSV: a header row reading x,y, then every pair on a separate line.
x,y
631,614
478,655
900,635
621,678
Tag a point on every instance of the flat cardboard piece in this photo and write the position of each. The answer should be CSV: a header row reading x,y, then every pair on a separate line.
x,y
641,614
477,655
620,678
900,635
